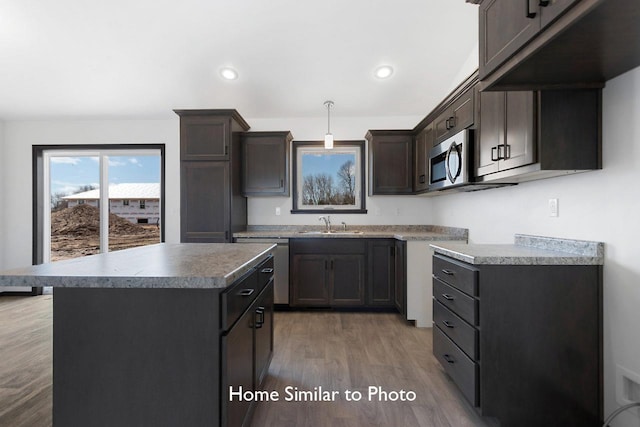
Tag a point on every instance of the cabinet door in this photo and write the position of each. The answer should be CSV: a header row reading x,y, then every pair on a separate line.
x,y
520,130
263,312
205,202
381,273
347,280
492,132
400,270
505,26
265,164
422,147
237,369
463,112
391,164
204,138
309,280
553,9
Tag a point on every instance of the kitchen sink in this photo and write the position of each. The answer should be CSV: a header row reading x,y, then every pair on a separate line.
x,y
354,232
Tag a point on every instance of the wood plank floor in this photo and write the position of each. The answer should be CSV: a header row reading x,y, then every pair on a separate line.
x,y
335,351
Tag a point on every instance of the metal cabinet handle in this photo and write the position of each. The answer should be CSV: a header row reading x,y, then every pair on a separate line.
x,y
267,270
544,3
507,151
259,317
448,272
450,123
246,292
422,179
532,11
448,358
281,182
494,154
448,324
448,297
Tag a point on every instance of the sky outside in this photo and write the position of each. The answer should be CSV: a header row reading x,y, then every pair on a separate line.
x,y
70,173
325,163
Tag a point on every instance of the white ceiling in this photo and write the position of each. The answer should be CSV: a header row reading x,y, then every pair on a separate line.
x,y
143,58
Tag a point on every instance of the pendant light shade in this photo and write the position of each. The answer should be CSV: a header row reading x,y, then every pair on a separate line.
x,y
328,138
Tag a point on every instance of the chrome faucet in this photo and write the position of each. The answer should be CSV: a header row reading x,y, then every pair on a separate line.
x,y
327,222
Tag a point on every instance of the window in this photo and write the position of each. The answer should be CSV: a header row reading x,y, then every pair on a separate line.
x,y
142,204
69,183
328,180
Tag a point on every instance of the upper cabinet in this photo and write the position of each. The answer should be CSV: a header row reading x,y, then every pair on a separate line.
x,y
206,134
457,116
545,44
265,163
532,135
390,162
422,145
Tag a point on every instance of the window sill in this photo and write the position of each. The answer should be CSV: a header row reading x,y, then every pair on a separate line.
x,y
331,211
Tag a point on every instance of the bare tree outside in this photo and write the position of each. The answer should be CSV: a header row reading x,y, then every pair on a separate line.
x,y
320,189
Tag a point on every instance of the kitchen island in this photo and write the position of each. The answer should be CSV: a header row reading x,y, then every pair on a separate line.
x,y
154,336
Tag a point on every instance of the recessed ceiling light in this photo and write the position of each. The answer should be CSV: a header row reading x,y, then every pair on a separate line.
x,y
228,73
384,71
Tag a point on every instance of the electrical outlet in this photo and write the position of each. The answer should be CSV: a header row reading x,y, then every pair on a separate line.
x,y
278,210
553,207
627,387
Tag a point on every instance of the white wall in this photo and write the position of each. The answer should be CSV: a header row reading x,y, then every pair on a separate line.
x,y
602,206
16,171
3,202
381,209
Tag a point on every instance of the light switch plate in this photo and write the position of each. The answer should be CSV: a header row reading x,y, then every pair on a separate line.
x,y
278,210
553,207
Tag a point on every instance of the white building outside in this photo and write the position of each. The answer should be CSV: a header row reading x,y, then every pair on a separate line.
x,y
138,203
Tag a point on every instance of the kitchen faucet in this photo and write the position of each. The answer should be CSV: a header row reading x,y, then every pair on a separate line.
x,y
327,222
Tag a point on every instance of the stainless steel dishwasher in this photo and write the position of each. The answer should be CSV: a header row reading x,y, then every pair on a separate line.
x,y
281,266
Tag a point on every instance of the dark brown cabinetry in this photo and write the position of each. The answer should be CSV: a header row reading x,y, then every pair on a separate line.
x,y
211,206
327,272
390,162
423,143
381,283
265,163
343,272
529,135
247,341
534,44
456,117
507,338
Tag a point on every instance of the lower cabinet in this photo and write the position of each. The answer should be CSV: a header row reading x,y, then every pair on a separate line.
x,y
522,342
247,346
343,272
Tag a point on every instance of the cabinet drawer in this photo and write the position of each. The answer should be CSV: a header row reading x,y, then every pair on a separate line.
x,y
458,302
464,335
457,274
235,300
265,272
462,370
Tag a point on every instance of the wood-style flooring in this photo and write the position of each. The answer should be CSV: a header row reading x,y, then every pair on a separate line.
x,y
333,350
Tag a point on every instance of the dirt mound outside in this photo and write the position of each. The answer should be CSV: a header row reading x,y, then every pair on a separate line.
x,y
84,220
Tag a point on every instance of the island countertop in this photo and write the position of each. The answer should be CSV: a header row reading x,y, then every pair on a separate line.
x,y
163,265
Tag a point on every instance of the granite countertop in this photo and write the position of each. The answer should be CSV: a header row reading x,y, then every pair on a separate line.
x,y
164,265
527,250
399,232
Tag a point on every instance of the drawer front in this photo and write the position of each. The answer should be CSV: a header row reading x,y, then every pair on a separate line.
x,y
457,274
265,272
462,370
458,302
464,335
235,300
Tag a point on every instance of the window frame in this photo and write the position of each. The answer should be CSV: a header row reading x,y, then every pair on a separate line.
x,y
39,169
360,145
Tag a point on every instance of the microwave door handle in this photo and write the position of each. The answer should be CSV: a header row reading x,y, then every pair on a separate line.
x,y
453,150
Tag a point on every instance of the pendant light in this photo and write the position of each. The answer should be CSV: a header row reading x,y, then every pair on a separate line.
x,y
328,138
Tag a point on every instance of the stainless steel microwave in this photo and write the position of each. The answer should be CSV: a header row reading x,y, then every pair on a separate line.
x,y
448,161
